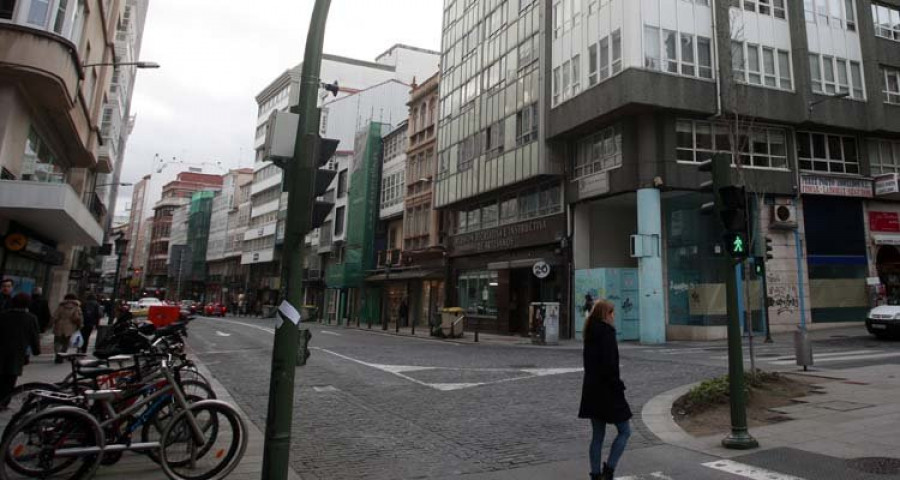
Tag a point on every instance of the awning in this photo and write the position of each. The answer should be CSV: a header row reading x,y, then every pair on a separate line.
x,y
523,263
406,275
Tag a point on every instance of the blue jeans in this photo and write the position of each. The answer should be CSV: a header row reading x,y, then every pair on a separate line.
x,y
615,451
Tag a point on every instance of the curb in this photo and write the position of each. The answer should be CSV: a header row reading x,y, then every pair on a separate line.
x,y
657,417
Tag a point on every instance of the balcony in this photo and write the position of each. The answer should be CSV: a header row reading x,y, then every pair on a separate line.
x,y
97,208
53,210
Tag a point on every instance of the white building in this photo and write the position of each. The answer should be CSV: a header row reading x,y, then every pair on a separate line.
x,y
368,91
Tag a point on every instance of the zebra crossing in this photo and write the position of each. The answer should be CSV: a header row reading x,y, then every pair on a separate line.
x,y
718,469
783,355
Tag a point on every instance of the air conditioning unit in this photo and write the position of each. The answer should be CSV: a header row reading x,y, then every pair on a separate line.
x,y
783,216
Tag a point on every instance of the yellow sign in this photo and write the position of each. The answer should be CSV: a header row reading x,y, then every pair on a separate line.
x,y
15,242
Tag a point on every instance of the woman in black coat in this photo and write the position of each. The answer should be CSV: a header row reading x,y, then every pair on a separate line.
x,y
18,332
603,393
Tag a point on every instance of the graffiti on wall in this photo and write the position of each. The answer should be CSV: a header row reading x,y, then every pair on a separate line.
x,y
783,299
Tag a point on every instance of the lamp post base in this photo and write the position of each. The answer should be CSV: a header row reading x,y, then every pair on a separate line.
x,y
740,440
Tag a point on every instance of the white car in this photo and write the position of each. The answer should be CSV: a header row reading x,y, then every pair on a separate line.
x,y
143,306
884,321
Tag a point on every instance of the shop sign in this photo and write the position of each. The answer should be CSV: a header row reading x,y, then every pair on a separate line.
x,y
508,237
33,248
596,184
884,222
835,186
886,184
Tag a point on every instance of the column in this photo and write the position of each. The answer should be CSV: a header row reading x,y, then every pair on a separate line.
x,y
652,304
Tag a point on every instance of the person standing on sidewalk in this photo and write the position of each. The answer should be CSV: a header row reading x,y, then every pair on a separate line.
x,y
40,309
91,314
67,319
6,288
403,313
18,333
603,392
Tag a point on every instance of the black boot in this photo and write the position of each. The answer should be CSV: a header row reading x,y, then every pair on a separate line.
x,y
607,473
595,476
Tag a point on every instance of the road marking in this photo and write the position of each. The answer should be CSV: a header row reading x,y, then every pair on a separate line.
x,y
325,389
222,334
817,358
401,370
748,471
267,330
326,332
658,475
661,476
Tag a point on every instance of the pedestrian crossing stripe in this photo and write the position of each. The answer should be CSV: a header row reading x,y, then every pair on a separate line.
x,y
748,471
838,357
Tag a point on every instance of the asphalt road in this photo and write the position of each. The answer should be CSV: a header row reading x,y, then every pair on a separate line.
x,y
377,406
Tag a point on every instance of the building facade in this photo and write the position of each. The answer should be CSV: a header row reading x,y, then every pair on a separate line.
x,y
798,95
52,93
226,233
499,188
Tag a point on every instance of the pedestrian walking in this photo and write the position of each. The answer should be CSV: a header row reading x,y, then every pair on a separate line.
x,y
6,289
603,392
588,304
40,308
91,315
18,333
67,319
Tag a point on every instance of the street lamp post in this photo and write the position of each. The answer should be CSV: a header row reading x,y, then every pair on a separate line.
x,y
813,103
121,245
122,64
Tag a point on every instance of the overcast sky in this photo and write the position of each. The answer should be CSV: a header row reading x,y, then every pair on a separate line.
x,y
216,55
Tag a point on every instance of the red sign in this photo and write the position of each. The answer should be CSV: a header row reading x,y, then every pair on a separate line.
x,y
884,221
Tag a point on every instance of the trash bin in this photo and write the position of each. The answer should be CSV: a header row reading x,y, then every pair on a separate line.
x,y
803,348
449,316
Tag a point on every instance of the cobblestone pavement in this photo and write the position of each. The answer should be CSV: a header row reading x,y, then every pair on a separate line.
x,y
363,411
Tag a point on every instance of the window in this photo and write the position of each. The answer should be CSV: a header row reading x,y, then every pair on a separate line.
x,y
784,70
884,156
680,53
753,71
891,85
774,8
576,74
737,62
761,147
342,184
616,52
835,13
687,55
670,47
39,164
7,8
339,214
37,14
599,152
556,82
829,75
604,58
527,124
827,153
566,93
592,64
651,48
887,21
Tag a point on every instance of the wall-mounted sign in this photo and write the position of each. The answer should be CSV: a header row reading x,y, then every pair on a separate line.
x,y
596,184
508,237
541,269
884,222
15,242
886,184
835,186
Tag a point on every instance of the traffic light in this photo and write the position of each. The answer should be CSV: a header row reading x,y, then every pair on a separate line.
x,y
324,150
303,346
769,254
736,244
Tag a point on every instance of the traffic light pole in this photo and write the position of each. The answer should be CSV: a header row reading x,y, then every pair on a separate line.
x,y
299,178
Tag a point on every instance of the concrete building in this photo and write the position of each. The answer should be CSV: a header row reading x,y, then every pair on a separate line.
x,y
175,194
226,235
341,118
179,261
641,92
499,188
51,96
135,259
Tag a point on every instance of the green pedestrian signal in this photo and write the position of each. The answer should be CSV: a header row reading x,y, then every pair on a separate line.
x,y
736,244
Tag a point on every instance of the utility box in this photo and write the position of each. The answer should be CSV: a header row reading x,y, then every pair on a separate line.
x,y
449,325
803,348
281,135
544,323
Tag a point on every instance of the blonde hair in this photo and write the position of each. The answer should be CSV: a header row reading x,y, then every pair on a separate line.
x,y
599,312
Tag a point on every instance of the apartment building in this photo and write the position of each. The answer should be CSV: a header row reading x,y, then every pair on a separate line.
x,y
226,235
801,96
52,91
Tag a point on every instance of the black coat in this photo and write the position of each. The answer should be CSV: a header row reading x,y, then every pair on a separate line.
x,y
18,331
40,309
90,310
603,393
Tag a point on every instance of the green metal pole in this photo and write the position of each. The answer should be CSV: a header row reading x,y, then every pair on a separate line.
x,y
739,438
299,176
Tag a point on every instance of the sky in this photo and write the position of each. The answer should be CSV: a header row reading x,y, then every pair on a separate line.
x,y
217,55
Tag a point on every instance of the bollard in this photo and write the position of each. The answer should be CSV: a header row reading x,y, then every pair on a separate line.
x,y
413,326
477,325
803,348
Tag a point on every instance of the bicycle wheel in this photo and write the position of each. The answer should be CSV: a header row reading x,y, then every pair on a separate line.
x,y
15,402
183,457
152,429
63,443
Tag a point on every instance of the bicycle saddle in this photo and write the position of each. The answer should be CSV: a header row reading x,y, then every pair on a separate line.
x,y
87,363
95,371
101,394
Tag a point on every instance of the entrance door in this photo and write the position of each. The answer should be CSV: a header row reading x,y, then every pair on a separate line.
x,y
521,294
887,262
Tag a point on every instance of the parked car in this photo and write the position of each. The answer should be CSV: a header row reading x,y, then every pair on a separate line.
x,y
884,321
142,306
215,310
190,305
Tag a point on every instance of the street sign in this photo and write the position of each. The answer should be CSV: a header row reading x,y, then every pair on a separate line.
x,y
541,269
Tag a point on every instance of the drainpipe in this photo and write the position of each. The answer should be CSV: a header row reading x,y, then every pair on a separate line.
x,y
715,57
799,250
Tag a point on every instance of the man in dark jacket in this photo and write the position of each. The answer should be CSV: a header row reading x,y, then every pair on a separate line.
x,y
40,309
6,288
18,332
90,310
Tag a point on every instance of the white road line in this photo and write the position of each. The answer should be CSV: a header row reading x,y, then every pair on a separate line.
x,y
326,332
222,334
831,354
847,358
661,476
657,475
267,330
748,471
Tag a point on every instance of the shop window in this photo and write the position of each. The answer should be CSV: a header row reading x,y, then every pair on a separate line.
x,y
477,292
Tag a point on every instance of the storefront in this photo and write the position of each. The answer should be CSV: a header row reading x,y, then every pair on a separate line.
x,y
27,260
492,273
836,246
883,221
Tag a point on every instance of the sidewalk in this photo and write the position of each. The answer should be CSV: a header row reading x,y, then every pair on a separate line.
x,y
856,415
139,467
